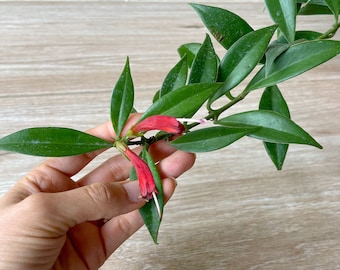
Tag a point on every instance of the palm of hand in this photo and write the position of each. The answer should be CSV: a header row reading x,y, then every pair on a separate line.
x,y
50,221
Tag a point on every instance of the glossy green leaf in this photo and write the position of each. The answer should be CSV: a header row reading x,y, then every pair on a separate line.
x,y
52,142
307,35
224,25
283,12
182,102
210,139
204,67
334,7
312,9
156,96
273,52
296,60
190,50
280,45
277,153
274,127
314,2
176,78
122,99
149,211
273,100
300,36
241,59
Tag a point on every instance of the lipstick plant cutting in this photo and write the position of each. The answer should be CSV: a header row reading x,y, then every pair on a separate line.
x,y
267,56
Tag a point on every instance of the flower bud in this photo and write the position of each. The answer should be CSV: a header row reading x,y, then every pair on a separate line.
x,y
165,123
145,178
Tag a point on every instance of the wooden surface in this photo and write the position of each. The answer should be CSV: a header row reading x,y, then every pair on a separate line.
x,y
233,210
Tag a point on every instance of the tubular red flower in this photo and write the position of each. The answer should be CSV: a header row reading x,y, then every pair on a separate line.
x,y
159,122
145,179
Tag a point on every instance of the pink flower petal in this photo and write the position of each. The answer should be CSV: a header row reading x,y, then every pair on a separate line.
x,y
159,122
144,175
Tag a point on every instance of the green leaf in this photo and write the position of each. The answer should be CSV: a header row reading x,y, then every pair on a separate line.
x,y
241,59
52,142
273,100
334,7
296,60
283,12
149,211
122,99
176,78
190,50
280,45
314,2
274,127
307,35
210,139
300,36
312,9
156,96
204,67
277,153
182,102
274,51
224,25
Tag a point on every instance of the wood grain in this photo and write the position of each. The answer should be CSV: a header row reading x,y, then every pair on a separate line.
x,y
59,62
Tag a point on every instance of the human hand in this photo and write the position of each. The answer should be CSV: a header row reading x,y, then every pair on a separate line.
x,y
49,221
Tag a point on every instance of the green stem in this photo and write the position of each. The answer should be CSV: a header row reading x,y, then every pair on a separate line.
x,y
331,32
214,114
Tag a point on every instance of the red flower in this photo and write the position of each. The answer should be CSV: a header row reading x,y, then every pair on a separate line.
x,y
144,175
159,122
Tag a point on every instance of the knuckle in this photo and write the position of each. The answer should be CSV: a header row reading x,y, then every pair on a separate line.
x,y
124,227
36,180
102,194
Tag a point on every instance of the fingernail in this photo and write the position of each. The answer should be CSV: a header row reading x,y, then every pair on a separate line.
x,y
174,179
133,191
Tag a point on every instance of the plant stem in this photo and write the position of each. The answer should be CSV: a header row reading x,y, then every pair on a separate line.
x,y
144,140
331,32
214,114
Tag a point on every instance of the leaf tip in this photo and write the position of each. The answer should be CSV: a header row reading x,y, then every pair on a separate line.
x,y
319,146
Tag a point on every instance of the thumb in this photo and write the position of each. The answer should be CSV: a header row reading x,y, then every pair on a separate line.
x,y
88,203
